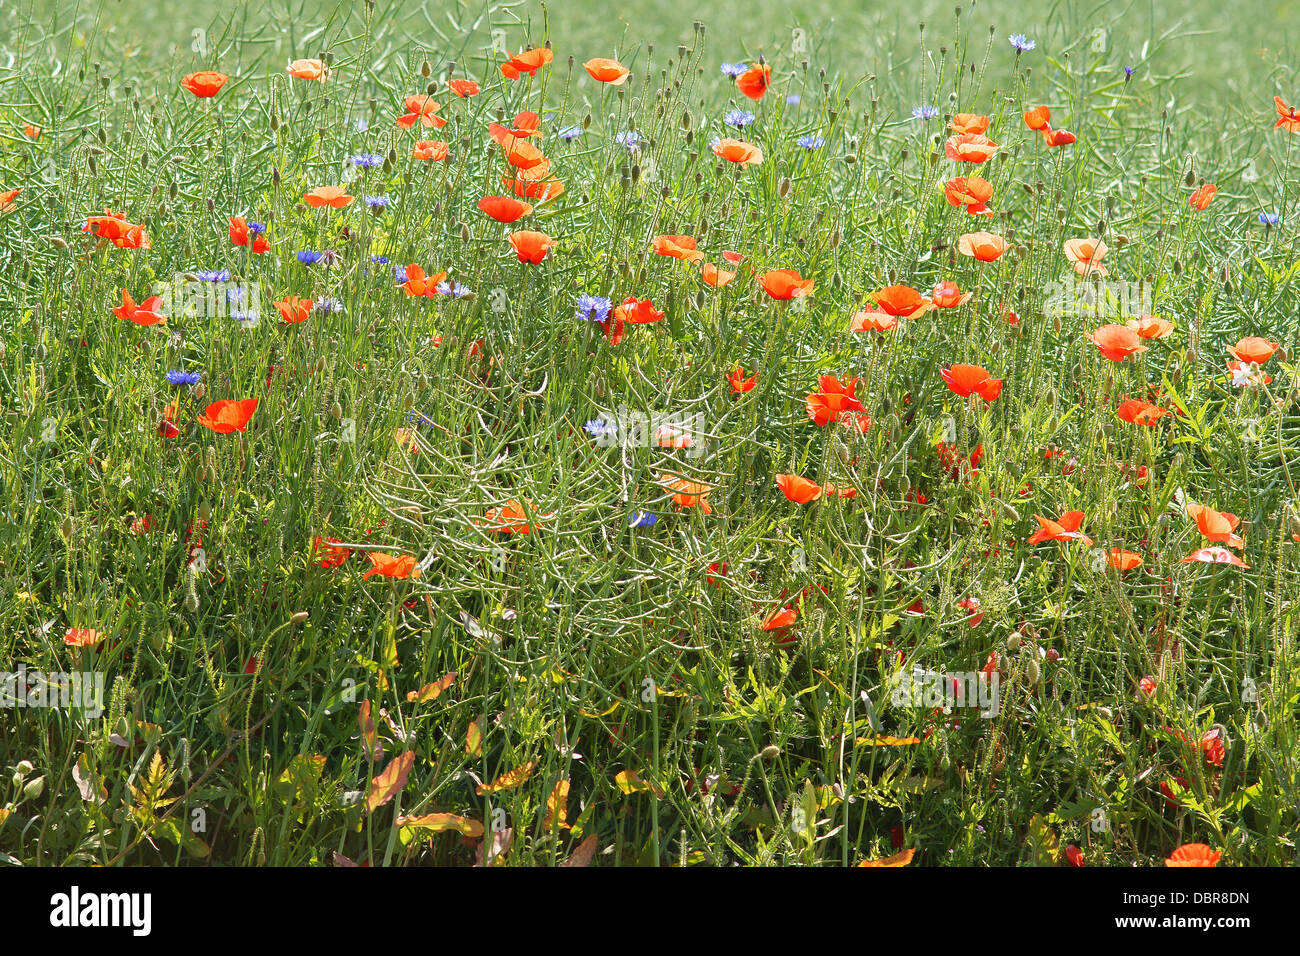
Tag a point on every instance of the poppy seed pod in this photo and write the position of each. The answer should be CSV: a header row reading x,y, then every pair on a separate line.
x,y
783,187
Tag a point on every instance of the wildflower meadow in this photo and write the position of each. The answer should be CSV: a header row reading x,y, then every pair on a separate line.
x,y
512,434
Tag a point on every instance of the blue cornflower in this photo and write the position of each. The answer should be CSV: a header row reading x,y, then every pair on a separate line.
x,y
738,118
642,519
309,258
377,202
811,141
177,377
569,132
256,228
379,260
1269,218
367,160
629,138
244,318
925,112
792,100
1022,43
327,305
235,294
1129,71
214,275
733,69
599,427
399,275
593,307
453,289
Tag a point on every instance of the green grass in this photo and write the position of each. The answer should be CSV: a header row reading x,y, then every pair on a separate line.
x,y
589,647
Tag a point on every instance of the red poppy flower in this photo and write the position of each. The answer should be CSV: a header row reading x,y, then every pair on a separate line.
x,y
146,313
798,489
835,400
740,384
948,295
225,417
676,247
1288,118
1253,350
430,150
1065,528
391,566
869,321
205,82
1150,327
505,209
1215,555
738,151
464,88
332,553
422,109
1217,526
637,311
82,637
529,62
714,276
901,300
604,70
973,192
335,197
1038,118
308,70
294,309
1058,137
1122,560
1203,196
972,123
970,148
531,247
1116,342
968,380
1194,854
785,284
984,246
754,82
1137,412
1086,254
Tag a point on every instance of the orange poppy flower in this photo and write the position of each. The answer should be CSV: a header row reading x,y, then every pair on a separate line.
x,y
834,401
974,123
225,417
608,71
842,491
687,493
114,227
970,148
1215,555
1122,560
948,295
1288,118
637,311
1194,854
1254,350
531,246
1086,254
871,321
512,518
335,197
901,300
422,109
504,208
754,82
785,284
33,132
779,618
677,247
740,384
1058,137
1137,412
738,151
205,82
798,489
427,150
307,70
7,199
973,192
1116,342
532,184
82,637
418,283
294,310
391,566
984,246
714,276
146,313
1038,117
1064,528
1203,196
530,61
968,380
464,88
518,151
1150,327
332,554
526,124
1217,526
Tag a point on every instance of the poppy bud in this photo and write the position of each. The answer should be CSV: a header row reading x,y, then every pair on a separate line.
x,y
1178,268
1033,671
328,59
191,602
299,617
336,411
432,87
425,68
1013,641
90,161
464,232
66,528
770,752
1190,180
58,243
34,788
850,158
275,177
783,187
275,123
200,390
1293,520
408,400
